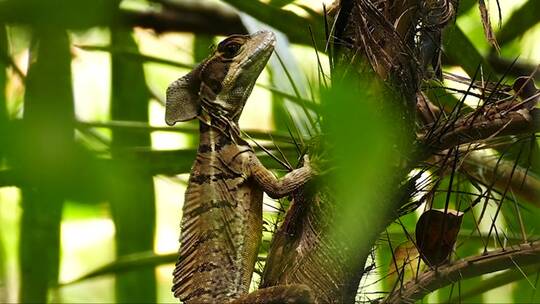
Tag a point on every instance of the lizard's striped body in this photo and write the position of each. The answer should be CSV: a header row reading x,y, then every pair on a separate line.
x,y
222,213
221,224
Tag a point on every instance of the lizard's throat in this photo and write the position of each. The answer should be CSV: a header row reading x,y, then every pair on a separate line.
x,y
217,132
223,111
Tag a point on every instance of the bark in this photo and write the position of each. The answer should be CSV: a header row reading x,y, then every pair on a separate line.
x,y
306,249
304,252
469,129
416,289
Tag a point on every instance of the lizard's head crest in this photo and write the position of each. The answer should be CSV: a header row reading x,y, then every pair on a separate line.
x,y
222,83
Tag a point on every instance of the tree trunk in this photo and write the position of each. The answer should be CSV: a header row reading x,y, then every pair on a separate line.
x,y
373,40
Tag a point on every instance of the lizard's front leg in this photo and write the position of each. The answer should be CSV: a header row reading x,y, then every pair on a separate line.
x,y
277,188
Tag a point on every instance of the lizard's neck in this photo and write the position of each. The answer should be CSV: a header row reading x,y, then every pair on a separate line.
x,y
216,133
211,138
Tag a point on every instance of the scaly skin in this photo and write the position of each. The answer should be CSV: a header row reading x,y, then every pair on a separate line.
x,y
222,213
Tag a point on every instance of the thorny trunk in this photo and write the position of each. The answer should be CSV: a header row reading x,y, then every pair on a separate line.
x,y
368,35
303,252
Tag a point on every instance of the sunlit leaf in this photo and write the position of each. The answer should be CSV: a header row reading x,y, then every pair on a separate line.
x,y
476,289
3,133
523,222
465,5
522,20
133,203
288,22
48,128
141,127
134,55
127,263
280,3
201,47
459,49
3,98
67,14
358,138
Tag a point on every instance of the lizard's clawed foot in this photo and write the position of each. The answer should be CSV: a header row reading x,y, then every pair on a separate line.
x,y
307,163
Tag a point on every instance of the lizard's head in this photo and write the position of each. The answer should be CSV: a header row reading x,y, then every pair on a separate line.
x,y
222,83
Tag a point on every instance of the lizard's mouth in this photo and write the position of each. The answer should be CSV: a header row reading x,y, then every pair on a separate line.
x,y
263,42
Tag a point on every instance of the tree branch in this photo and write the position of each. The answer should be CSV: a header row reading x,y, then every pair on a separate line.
x,y
414,290
512,123
519,68
188,17
501,173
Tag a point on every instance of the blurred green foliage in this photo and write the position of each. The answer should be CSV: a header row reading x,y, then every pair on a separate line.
x,y
365,159
47,143
3,85
134,233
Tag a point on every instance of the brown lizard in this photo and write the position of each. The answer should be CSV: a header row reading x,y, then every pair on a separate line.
x,y
222,215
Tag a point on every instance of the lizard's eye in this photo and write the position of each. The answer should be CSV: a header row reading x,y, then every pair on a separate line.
x,y
230,50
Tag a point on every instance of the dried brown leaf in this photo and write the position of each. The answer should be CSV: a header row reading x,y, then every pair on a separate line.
x,y
436,234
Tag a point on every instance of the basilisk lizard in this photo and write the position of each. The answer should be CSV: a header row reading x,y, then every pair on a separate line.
x,y
222,214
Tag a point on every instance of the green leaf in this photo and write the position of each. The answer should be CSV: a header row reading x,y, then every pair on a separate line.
x,y
522,20
279,114
132,204
476,289
442,98
171,162
3,84
528,150
201,47
522,221
3,135
296,27
47,128
90,180
128,263
362,159
460,49
280,3
136,126
465,5
57,13
134,55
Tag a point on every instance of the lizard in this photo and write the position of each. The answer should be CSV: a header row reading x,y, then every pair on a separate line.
x,y
221,224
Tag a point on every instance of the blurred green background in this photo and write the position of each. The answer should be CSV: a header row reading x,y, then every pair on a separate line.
x,y
91,179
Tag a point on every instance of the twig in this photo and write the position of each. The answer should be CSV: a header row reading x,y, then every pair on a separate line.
x,y
491,171
513,123
412,291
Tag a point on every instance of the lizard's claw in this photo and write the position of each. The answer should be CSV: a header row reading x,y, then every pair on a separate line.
x,y
309,165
